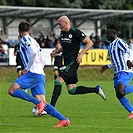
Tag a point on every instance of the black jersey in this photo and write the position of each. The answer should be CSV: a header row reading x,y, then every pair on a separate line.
x,y
70,42
18,58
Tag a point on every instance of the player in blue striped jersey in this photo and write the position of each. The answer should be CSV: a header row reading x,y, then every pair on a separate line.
x,y
33,75
121,57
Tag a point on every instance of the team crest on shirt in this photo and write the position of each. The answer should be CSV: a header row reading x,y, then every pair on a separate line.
x,y
126,45
26,43
70,36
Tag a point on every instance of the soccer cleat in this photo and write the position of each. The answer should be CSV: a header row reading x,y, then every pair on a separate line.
x,y
26,91
43,113
63,123
130,116
40,107
100,92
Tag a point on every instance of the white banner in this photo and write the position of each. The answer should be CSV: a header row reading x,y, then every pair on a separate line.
x,y
12,58
92,57
46,52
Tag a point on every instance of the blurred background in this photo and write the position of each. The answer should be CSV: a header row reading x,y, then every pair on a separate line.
x,y
90,16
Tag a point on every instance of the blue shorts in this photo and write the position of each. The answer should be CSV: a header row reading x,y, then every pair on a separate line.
x,y
123,78
32,81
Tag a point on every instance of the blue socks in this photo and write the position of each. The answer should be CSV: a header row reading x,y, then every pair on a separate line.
x,y
49,108
25,96
53,112
125,102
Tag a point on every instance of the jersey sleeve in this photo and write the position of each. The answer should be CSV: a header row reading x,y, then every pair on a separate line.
x,y
42,59
123,45
130,52
125,48
110,66
80,35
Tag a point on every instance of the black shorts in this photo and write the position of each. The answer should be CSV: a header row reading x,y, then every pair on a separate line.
x,y
69,73
57,68
19,68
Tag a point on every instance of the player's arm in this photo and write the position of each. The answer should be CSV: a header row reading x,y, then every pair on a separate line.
x,y
127,49
89,44
105,67
15,51
56,51
130,60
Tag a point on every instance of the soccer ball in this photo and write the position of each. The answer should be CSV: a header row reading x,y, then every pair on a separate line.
x,y
35,112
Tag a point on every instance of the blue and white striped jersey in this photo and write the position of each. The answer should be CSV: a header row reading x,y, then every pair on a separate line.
x,y
119,53
32,55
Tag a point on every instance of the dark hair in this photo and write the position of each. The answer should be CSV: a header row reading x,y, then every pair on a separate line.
x,y
24,26
114,27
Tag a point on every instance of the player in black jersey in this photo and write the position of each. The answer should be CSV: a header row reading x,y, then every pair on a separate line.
x,y
19,63
70,41
58,60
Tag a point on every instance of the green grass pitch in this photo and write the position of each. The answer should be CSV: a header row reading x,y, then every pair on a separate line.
x,y
88,113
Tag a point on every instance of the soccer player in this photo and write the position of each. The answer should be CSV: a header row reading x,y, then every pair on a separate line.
x,y
71,39
19,63
121,56
58,65
20,67
58,60
33,75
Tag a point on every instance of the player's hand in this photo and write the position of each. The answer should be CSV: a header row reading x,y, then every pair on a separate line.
x,y
79,59
24,72
53,54
129,64
103,69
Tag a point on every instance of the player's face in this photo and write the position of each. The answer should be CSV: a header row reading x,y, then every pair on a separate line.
x,y
110,35
62,25
58,45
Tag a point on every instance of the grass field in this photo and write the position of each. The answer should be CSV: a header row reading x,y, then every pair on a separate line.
x,y
88,113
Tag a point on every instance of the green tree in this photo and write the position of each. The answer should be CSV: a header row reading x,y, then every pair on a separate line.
x,y
88,4
125,23
3,2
